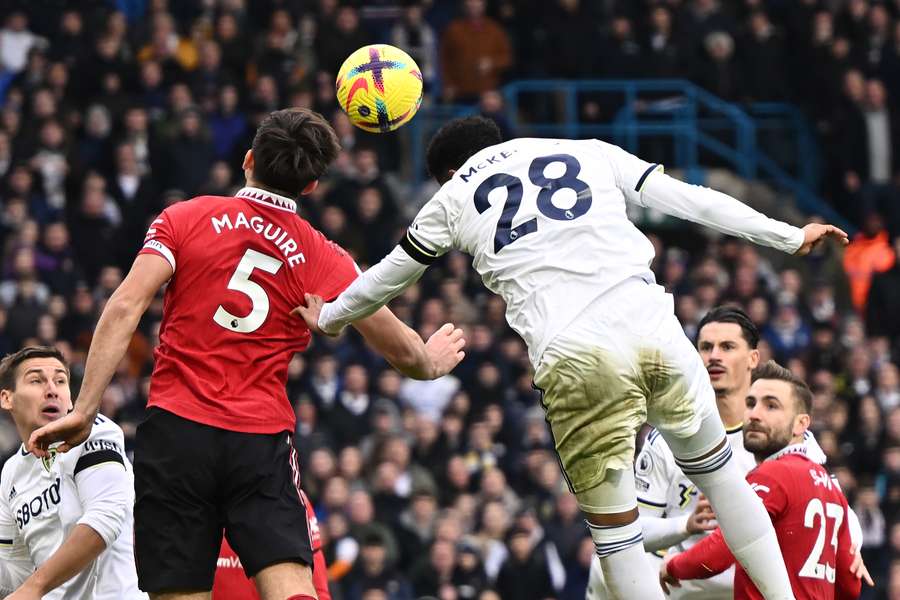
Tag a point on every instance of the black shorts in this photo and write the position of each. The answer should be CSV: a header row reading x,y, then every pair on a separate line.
x,y
192,482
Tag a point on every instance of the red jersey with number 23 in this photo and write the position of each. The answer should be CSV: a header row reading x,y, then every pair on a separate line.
x,y
809,513
240,266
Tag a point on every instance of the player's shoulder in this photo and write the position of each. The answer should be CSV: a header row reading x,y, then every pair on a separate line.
x,y
105,443
106,429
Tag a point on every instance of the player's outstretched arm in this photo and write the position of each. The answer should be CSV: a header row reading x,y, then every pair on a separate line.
x,y
111,338
731,216
397,343
405,350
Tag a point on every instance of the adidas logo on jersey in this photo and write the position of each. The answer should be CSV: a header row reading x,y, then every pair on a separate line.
x,y
12,493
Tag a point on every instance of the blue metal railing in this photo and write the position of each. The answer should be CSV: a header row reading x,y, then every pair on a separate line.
x,y
691,118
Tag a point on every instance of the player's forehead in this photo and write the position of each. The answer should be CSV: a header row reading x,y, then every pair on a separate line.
x,y
46,365
771,388
717,332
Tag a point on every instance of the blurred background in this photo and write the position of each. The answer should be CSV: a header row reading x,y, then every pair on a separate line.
x,y
112,110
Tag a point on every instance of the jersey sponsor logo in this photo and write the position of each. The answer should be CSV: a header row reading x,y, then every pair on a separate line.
x,y
229,562
38,505
96,445
260,226
491,160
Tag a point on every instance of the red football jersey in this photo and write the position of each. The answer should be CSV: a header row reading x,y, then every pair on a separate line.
x,y
241,265
809,513
232,584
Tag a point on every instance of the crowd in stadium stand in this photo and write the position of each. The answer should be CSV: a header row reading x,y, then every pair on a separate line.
x,y
114,110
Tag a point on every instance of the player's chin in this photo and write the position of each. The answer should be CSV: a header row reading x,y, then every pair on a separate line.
x,y
755,440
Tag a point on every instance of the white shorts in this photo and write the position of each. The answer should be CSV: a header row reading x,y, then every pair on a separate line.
x,y
623,362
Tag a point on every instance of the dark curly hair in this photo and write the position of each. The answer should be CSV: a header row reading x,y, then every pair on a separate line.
x,y
456,141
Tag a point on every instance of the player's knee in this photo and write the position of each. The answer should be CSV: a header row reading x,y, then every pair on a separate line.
x,y
612,497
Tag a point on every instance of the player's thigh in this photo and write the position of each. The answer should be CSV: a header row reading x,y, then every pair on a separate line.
x,y
177,529
284,580
594,410
265,515
682,404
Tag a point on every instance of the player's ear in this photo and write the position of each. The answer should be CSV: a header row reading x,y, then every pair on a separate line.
x,y
248,161
801,424
754,358
310,187
6,399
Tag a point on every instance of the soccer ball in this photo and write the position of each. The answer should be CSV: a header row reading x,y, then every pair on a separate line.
x,y
379,87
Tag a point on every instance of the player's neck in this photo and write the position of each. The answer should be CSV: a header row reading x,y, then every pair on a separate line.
x,y
254,184
731,407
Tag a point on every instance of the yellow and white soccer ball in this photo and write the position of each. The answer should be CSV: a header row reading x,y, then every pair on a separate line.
x,y
379,87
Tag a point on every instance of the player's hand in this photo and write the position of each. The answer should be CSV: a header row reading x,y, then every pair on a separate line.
x,y
311,312
666,580
444,348
858,567
702,519
71,430
816,233
24,593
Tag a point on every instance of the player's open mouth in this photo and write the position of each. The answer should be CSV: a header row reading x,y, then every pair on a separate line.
x,y
51,411
715,371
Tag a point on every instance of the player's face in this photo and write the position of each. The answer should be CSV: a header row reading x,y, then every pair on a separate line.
x,y
727,356
770,417
41,395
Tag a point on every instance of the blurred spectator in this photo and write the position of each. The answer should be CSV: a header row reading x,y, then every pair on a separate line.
x,y
414,35
524,574
870,252
16,41
475,52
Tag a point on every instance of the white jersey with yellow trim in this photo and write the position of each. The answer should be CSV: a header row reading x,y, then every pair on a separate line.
x,y
42,500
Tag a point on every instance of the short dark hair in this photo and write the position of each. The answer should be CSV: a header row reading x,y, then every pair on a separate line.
x,y
772,370
291,149
11,362
458,140
736,315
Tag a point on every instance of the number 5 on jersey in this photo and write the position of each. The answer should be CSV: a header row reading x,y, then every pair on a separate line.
x,y
240,282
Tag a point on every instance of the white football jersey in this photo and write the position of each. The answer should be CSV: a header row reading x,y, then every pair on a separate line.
x,y
664,491
42,500
546,224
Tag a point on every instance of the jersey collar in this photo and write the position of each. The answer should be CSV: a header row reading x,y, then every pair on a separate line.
x,y
268,198
791,449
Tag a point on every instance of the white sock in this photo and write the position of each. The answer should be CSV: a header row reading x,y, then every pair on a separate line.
x,y
626,569
744,521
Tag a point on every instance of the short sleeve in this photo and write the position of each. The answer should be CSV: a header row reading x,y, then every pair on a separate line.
x,y
765,481
651,477
629,171
105,446
333,270
161,238
430,234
